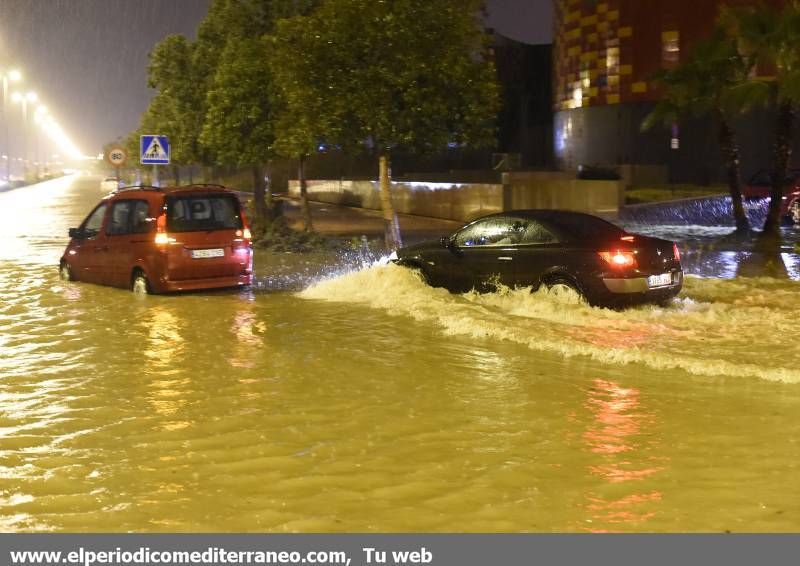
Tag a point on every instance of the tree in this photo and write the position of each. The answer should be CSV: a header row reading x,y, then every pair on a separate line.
x,y
298,100
769,39
707,82
237,128
238,123
171,73
409,74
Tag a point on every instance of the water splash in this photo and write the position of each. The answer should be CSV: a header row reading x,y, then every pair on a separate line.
x,y
716,327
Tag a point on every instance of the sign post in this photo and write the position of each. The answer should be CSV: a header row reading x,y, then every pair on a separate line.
x,y
154,150
117,156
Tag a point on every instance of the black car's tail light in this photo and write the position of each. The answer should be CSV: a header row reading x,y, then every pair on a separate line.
x,y
619,259
676,253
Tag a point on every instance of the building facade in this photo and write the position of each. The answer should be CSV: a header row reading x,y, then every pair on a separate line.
x,y
605,56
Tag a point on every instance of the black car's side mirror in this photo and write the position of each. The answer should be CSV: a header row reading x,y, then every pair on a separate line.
x,y
450,244
75,233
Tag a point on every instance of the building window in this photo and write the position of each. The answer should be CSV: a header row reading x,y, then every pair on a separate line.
x,y
670,48
577,97
586,81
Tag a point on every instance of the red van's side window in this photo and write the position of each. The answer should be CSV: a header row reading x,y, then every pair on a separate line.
x,y
128,217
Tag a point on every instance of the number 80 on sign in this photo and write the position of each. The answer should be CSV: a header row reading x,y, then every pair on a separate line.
x,y
117,156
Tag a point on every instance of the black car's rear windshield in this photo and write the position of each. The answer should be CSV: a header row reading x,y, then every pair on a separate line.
x,y
583,227
203,212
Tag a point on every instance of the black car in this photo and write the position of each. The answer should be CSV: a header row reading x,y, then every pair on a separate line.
x,y
554,248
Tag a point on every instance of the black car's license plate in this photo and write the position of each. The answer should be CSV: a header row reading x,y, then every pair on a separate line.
x,y
659,280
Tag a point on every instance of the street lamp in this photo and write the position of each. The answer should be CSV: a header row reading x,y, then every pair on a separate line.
x,y
29,96
9,75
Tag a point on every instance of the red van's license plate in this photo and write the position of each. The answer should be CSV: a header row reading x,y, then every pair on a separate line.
x,y
214,252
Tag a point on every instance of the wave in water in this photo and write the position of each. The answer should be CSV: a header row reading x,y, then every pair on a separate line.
x,y
738,328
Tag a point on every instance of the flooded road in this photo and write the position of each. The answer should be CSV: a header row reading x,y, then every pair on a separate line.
x,y
370,402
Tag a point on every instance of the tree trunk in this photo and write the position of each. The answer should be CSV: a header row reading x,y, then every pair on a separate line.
x,y
266,176
259,201
301,175
391,225
191,174
783,152
730,154
176,172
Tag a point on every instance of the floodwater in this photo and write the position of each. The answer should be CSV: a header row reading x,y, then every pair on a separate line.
x,y
369,402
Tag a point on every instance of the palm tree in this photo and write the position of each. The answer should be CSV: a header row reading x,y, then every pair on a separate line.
x,y
769,40
706,83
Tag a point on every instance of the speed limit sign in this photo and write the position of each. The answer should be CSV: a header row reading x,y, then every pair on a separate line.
x,y
117,156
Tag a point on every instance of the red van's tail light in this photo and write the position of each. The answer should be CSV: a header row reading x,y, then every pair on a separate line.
x,y
245,231
245,244
676,253
162,238
619,258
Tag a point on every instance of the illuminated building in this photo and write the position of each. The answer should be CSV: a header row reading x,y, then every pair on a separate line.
x,y
606,53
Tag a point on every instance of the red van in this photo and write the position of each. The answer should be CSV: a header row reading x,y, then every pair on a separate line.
x,y
159,240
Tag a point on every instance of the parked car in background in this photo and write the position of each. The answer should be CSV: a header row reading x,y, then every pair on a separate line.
x,y
760,186
154,240
109,184
557,249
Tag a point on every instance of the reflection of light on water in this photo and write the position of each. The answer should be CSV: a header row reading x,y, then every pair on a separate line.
x,y
792,263
164,347
635,336
492,367
723,265
32,221
616,420
248,334
619,511
615,434
164,341
72,292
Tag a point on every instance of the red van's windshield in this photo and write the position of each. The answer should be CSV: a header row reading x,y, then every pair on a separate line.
x,y
203,212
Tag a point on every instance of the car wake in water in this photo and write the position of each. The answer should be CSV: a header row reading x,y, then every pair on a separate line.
x,y
733,328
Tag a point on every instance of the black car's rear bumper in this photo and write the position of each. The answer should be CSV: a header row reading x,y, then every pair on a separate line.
x,y
640,284
632,290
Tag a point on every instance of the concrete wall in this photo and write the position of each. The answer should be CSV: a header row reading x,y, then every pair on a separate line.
x,y
451,201
467,201
554,190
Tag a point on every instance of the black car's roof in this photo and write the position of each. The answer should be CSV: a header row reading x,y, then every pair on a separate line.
x,y
567,224
542,214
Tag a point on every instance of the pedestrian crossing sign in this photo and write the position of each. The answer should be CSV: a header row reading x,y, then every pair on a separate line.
x,y
154,150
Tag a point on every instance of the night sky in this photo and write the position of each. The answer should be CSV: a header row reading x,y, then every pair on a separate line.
x,y
87,58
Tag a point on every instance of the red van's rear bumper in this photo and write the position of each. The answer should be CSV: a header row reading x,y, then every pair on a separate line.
x,y
166,286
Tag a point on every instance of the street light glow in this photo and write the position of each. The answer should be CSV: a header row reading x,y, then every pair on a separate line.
x,y
14,75
62,141
29,96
